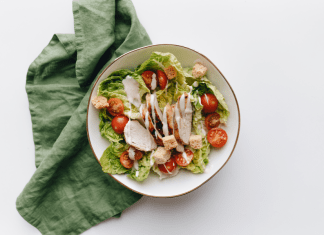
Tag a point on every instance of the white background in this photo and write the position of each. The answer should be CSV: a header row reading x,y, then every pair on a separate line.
x,y
272,54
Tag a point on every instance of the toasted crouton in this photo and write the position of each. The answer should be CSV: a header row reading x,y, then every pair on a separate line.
x,y
161,155
199,70
171,72
100,102
195,141
169,142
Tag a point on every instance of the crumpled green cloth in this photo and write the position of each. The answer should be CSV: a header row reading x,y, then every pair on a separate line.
x,y
69,193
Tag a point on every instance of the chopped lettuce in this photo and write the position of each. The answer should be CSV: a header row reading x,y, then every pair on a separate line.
x,y
105,127
197,116
200,159
164,97
158,61
144,167
109,160
205,86
112,87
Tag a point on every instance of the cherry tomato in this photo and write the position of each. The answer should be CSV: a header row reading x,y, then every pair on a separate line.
x,y
212,120
138,154
147,77
169,166
162,78
209,102
181,161
118,124
217,137
125,160
116,107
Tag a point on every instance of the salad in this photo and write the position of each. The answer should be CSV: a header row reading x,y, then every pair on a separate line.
x,y
160,118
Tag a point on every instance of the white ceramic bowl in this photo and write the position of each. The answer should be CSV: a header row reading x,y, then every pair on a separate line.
x,y
185,181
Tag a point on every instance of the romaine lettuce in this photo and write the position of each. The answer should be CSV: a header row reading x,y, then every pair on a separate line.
x,y
105,127
144,167
109,160
200,159
205,86
112,87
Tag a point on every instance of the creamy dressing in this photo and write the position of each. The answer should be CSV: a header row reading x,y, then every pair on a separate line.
x,y
153,83
152,109
195,84
184,155
151,158
177,117
165,123
132,90
206,98
135,165
131,153
147,122
141,109
182,105
188,109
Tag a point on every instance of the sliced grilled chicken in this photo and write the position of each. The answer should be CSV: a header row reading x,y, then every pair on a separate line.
x,y
168,120
182,119
155,112
138,136
149,125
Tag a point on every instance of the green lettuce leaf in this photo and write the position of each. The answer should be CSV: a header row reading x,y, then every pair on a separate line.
x,y
105,127
112,87
200,159
197,116
144,167
158,61
109,160
205,86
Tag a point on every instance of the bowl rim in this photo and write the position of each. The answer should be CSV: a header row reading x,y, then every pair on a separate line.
x,y
154,45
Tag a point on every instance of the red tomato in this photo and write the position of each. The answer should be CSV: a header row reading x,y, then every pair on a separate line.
x,y
209,102
138,154
126,161
162,78
116,107
118,124
147,77
169,166
181,161
217,137
212,120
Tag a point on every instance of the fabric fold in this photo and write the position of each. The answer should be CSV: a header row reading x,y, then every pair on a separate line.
x,y
69,193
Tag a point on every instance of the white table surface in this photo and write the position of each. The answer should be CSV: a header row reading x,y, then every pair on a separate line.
x,y
272,54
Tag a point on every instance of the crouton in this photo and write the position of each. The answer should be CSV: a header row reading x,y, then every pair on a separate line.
x,y
161,155
100,102
195,141
199,70
169,142
171,72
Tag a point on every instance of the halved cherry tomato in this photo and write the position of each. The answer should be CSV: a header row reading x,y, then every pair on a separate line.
x,y
118,124
169,166
147,77
162,78
181,161
116,107
125,160
212,120
138,154
217,137
209,102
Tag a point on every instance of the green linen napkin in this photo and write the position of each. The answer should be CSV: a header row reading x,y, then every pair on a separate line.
x,y
69,193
